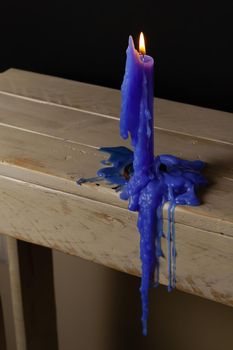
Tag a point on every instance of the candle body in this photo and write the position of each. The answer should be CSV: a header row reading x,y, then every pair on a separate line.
x,y
137,108
143,190
153,180
147,181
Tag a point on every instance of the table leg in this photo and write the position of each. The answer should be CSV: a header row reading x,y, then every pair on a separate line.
x,y
10,294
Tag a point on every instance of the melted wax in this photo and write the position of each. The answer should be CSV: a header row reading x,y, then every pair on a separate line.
x,y
147,181
171,180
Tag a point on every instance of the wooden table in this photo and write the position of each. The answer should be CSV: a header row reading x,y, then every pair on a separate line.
x,y
50,132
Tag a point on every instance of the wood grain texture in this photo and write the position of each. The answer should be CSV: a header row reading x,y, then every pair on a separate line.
x,y
173,116
50,132
15,291
106,234
96,131
10,292
58,150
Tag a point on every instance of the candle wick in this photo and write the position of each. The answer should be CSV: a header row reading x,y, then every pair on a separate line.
x,y
143,56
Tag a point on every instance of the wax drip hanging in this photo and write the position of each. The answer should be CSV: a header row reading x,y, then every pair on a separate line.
x,y
148,182
175,181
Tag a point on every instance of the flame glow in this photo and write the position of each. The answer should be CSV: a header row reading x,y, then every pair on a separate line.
x,y
142,47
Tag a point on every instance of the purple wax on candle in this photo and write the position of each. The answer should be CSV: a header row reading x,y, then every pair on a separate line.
x,y
137,107
149,187
144,195
172,179
147,181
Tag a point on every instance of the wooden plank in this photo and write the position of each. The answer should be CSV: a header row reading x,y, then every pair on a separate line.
x,y
96,131
37,284
169,115
17,306
55,162
2,329
51,138
106,234
10,291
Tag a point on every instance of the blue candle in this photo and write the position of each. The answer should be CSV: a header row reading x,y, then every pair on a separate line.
x,y
137,107
137,120
153,180
147,181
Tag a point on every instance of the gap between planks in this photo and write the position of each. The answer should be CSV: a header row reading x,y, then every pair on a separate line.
x,y
46,135
82,228
55,185
54,104
74,196
35,157
92,131
214,152
169,115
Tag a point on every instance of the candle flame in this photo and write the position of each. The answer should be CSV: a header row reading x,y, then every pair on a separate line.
x,y
142,47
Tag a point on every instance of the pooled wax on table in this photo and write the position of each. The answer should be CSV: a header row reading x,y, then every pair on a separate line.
x,y
173,180
146,181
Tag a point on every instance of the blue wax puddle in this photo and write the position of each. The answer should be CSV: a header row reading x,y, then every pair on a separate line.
x,y
171,180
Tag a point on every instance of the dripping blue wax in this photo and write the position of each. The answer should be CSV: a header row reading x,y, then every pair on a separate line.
x,y
175,181
145,180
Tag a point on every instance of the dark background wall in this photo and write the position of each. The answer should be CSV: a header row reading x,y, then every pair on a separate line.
x,y
191,42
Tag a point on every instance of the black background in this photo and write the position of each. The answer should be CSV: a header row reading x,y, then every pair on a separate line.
x,y
191,42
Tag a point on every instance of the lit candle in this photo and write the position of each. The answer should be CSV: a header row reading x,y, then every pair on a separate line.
x,y
137,107
147,181
137,120
153,181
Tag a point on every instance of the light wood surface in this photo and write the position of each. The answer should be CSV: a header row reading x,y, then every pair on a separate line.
x,y
10,294
50,132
